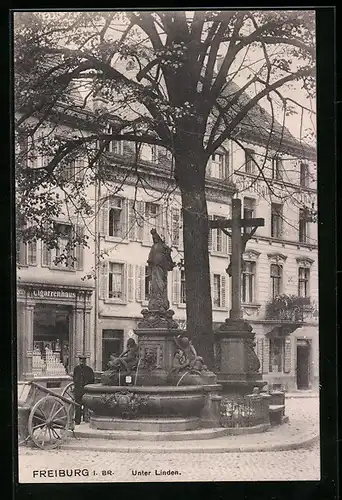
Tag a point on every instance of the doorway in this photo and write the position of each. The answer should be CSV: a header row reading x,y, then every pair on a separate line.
x,y
303,364
112,343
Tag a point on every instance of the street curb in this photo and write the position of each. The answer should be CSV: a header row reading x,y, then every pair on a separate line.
x,y
276,446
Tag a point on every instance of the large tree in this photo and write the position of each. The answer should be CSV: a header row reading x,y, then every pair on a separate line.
x,y
158,74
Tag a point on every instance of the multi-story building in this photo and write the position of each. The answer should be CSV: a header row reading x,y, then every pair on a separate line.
x,y
61,312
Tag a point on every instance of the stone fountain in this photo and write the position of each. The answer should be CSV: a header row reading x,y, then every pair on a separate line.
x,y
159,383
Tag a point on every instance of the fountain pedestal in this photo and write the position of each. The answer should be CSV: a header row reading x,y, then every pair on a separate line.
x,y
237,365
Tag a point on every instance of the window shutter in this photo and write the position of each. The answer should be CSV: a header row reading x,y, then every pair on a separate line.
x,y
210,236
46,255
80,249
142,224
125,219
224,243
176,285
266,356
209,167
103,216
103,275
287,357
229,244
175,226
21,254
212,287
226,165
223,291
138,296
260,350
142,282
132,222
181,239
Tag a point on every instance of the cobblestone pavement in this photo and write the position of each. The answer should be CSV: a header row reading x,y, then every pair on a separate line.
x,y
108,466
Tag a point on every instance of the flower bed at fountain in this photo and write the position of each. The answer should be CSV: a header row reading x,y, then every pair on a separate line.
x,y
248,411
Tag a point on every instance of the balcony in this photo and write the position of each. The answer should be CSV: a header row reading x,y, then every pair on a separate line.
x,y
289,309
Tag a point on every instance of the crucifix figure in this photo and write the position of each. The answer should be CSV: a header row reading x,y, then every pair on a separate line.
x,y
239,242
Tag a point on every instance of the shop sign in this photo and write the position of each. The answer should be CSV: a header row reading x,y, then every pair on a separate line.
x,y
46,294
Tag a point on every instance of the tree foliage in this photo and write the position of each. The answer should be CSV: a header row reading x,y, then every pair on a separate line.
x,y
157,73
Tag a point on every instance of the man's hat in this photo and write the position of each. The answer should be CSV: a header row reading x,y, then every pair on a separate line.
x,y
82,356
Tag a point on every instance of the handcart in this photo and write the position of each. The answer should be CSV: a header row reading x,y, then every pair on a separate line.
x,y
45,417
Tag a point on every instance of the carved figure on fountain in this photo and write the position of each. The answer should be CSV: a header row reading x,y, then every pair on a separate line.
x,y
158,314
123,365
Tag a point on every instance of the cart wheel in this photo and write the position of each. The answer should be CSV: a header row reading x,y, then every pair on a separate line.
x,y
48,422
69,391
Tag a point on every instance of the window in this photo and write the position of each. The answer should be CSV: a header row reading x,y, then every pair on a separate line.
x,y
149,152
115,219
183,289
116,281
304,174
218,166
248,282
276,279
277,347
147,284
248,211
153,219
217,290
303,226
64,253
218,240
303,281
276,220
68,172
249,161
27,253
113,146
277,168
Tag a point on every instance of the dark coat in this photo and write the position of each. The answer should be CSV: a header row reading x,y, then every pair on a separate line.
x,y
82,376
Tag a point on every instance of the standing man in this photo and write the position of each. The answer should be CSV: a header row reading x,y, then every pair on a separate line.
x,y
82,376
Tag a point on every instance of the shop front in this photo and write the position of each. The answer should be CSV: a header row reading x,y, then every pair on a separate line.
x,y
53,328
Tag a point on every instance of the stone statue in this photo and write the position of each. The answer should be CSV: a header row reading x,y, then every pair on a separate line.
x,y
159,263
128,359
186,357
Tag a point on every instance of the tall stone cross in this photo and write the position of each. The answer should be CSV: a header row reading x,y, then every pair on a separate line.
x,y
238,247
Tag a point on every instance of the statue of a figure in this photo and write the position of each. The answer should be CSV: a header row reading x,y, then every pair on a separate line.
x,y
186,357
159,263
128,359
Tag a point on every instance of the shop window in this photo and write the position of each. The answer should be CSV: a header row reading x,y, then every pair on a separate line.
x,y
276,359
276,220
50,341
248,282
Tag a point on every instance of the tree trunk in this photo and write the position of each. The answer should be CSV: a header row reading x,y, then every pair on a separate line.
x,y
191,180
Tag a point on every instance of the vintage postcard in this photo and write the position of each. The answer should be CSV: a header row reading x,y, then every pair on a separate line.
x,y
167,250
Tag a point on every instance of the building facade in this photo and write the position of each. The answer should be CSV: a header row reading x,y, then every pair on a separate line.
x,y
93,305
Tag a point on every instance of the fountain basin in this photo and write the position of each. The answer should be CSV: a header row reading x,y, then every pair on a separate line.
x,y
144,402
